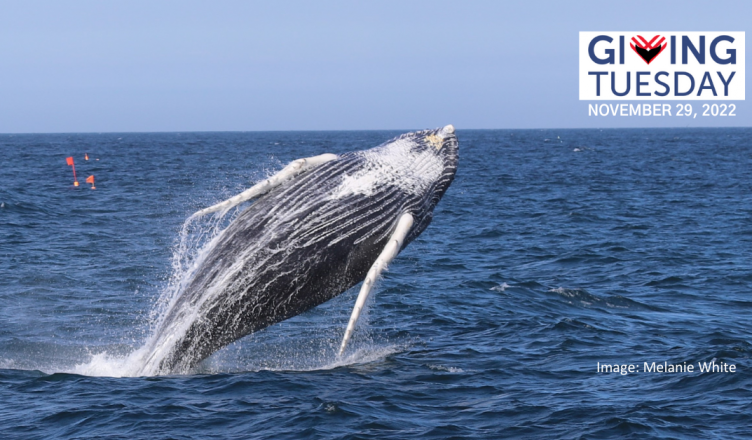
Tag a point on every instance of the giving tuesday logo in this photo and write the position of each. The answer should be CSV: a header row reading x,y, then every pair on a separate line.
x,y
661,66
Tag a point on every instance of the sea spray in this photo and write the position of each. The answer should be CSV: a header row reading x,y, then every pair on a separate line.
x,y
196,239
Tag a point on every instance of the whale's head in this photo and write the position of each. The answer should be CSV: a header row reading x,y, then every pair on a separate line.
x,y
440,142
434,156
420,163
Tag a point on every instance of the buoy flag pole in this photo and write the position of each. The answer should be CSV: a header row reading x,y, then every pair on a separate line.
x,y
90,179
70,162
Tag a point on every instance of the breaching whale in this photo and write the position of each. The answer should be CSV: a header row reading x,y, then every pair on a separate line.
x,y
315,229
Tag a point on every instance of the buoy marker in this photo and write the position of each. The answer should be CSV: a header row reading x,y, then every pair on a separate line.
x,y
90,179
70,163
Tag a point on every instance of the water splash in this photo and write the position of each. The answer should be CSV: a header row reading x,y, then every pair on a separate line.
x,y
195,241
500,287
303,349
315,349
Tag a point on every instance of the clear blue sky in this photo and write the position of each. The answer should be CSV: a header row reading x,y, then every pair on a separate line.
x,y
98,66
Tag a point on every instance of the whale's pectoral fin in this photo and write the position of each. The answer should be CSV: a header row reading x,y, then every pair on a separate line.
x,y
390,251
291,170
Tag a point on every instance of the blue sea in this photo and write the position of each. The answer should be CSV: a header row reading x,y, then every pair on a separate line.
x,y
553,253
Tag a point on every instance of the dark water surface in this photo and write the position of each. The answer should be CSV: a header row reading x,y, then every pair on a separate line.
x,y
553,250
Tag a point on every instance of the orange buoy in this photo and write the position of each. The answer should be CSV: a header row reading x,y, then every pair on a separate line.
x,y
69,160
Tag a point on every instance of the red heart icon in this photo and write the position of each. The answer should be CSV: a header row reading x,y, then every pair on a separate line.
x,y
648,50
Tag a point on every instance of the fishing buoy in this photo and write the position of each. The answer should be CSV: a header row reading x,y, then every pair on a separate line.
x,y
70,163
90,179
86,156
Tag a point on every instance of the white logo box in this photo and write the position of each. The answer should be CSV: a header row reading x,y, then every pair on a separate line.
x,y
690,66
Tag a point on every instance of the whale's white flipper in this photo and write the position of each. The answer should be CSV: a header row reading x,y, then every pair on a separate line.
x,y
291,170
390,251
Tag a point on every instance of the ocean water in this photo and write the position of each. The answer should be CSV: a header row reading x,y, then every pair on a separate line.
x,y
552,252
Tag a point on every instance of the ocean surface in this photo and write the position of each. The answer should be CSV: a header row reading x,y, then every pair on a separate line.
x,y
553,251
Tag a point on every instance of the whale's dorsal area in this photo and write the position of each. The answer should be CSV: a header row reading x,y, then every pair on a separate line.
x,y
315,229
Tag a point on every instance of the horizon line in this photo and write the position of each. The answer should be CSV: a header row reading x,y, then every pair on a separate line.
x,y
345,130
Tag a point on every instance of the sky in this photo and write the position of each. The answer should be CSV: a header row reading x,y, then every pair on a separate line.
x,y
145,66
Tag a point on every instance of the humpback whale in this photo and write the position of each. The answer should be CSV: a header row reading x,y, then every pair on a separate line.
x,y
315,229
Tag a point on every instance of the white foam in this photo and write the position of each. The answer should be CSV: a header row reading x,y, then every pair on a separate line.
x,y
104,364
447,369
501,287
562,291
